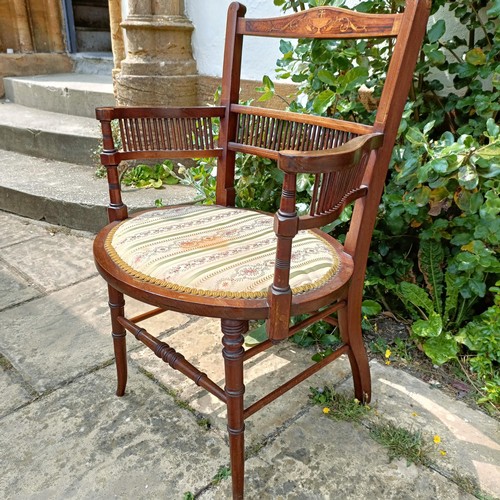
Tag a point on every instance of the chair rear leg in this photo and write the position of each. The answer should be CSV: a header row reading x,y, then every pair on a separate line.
x,y
350,330
232,352
117,308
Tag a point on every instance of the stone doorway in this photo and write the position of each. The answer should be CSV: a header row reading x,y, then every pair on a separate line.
x,y
88,25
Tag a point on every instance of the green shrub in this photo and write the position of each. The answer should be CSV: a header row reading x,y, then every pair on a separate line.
x,y
435,246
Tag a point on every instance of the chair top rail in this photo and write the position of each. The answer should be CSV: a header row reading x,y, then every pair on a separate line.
x,y
112,113
332,123
324,22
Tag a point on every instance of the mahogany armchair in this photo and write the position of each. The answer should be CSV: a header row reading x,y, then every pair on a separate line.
x,y
240,265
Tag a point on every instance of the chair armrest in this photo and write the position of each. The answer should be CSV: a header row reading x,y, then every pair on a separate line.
x,y
158,133
329,160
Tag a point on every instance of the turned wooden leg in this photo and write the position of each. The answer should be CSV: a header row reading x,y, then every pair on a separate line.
x,y
116,307
232,352
350,330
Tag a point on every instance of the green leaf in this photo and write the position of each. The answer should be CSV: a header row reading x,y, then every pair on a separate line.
x,y
323,101
439,165
370,308
466,261
285,47
441,349
436,57
353,78
489,152
265,96
171,180
451,301
429,126
417,296
467,176
299,78
431,327
437,31
416,137
268,83
494,11
303,182
256,336
430,260
327,77
492,128
476,57
422,196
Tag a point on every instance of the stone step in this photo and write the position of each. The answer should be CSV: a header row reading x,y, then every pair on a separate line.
x,y
69,194
48,135
93,63
69,93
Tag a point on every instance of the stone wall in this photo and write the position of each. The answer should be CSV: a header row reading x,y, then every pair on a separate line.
x,y
31,39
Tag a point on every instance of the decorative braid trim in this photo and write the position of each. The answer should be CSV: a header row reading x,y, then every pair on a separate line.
x,y
115,257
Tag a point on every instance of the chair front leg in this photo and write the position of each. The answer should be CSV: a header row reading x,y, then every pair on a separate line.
x,y
117,308
232,352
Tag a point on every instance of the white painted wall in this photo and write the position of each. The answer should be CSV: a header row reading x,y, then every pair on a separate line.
x,y
209,19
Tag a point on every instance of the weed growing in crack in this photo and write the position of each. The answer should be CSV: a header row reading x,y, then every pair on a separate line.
x,y
401,443
339,406
223,473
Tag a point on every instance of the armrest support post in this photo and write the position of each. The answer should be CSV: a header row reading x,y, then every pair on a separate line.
x,y
117,210
286,226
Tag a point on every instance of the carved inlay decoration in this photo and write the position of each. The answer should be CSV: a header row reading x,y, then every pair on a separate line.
x,y
319,21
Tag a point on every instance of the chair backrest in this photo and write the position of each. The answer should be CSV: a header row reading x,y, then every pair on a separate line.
x,y
264,132
355,172
360,175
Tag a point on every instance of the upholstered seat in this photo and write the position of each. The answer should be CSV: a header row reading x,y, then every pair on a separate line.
x,y
216,251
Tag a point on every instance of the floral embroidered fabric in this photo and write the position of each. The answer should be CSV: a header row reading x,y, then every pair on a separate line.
x,y
215,251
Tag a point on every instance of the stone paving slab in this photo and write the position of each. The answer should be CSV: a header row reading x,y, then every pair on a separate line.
x,y
82,442
200,343
14,392
15,230
469,438
55,338
317,458
54,260
15,287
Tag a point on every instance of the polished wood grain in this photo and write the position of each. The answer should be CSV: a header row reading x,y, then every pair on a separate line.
x,y
324,22
348,162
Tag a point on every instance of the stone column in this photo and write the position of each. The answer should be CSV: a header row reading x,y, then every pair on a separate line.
x,y
117,43
159,68
55,26
23,26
